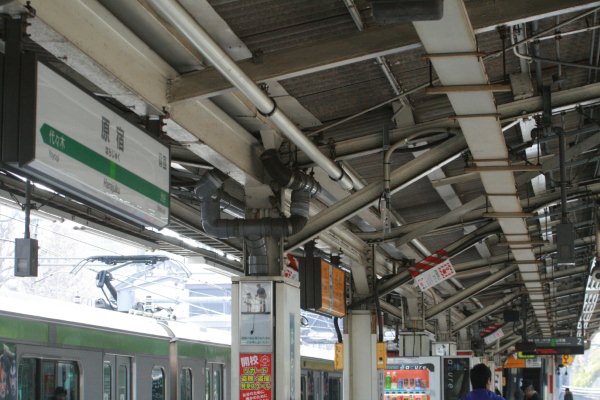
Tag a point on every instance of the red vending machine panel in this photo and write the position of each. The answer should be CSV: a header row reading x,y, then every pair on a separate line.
x,y
408,382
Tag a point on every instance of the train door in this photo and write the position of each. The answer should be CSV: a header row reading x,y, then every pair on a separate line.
x,y
214,381
116,378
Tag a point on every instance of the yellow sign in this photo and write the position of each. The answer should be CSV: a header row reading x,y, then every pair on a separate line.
x,y
338,360
567,359
525,356
381,356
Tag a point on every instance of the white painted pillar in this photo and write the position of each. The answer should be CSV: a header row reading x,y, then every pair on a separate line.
x,y
361,380
265,343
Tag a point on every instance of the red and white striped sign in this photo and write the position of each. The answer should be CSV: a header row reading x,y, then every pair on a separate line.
x,y
428,262
435,275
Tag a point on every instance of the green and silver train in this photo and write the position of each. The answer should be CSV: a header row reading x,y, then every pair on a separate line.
x,y
100,354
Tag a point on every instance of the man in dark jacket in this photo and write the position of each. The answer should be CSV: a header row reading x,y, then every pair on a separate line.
x,y
481,379
530,393
568,394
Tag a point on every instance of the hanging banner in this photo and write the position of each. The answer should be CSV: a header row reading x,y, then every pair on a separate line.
x,y
496,335
435,275
256,376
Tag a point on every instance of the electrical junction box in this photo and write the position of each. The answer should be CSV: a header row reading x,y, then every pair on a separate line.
x,y
565,244
511,315
26,257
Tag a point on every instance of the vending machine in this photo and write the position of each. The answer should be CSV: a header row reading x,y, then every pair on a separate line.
x,y
456,382
412,378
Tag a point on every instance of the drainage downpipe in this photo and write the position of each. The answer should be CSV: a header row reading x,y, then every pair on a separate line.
x,y
252,228
286,177
180,19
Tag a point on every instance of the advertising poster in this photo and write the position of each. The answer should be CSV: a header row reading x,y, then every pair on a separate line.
x,y
456,378
255,318
8,372
256,378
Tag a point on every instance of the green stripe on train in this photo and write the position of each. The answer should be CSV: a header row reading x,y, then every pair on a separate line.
x,y
23,330
112,341
197,350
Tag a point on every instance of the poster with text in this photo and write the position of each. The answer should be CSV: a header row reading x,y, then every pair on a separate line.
x,y
256,306
256,377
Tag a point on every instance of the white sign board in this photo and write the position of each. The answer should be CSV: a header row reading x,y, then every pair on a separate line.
x,y
435,275
85,148
492,337
533,362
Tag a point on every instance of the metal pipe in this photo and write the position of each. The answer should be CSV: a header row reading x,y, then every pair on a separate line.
x,y
387,307
470,291
175,14
568,292
470,239
501,259
484,311
540,60
562,154
536,53
381,61
557,48
27,208
400,178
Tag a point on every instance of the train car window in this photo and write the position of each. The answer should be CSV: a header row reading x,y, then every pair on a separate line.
x,y
158,383
40,379
123,382
303,395
217,382
107,381
335,388
214,381
185,381
207,374
28,379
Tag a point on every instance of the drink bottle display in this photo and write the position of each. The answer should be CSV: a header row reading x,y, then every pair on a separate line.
x,y
411,379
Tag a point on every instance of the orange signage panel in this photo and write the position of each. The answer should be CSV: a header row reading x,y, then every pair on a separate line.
x,y
333,289
514,362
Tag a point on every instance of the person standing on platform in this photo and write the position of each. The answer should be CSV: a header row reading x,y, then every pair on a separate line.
x,y
530,393
60,393
481,380
568,394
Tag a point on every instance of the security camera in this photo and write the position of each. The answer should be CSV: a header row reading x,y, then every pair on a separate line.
x,y
596,274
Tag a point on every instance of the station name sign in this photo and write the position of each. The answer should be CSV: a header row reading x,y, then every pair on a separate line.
x,y
553,346
85,148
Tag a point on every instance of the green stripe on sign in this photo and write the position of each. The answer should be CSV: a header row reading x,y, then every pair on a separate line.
x,y
72,148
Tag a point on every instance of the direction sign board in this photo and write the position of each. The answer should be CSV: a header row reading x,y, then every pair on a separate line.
x,y
86,149
542,346
567,345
